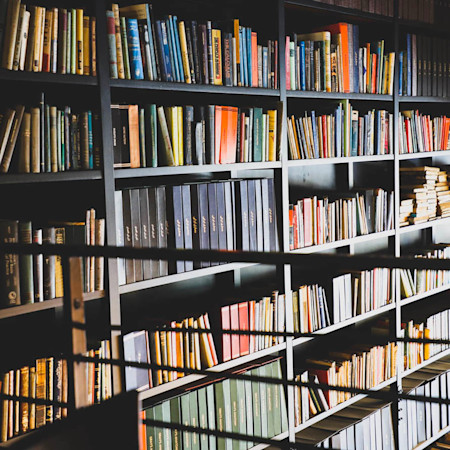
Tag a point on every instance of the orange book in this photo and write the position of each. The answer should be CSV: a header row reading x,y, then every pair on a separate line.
x,y
143,433
228,134
133,124
217,132
254,59
238,54
243,326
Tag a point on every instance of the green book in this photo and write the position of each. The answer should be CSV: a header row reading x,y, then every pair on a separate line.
x,y
167,432
211,415
270,401
261,371
242,411
234,411
256,405
159,435
193,410
220,413
47,146
276,402
203,417
151,430
257,134
249,408
175,418
185,420
284,420
69,42
126,58
142,151
151,135
73,43
228,416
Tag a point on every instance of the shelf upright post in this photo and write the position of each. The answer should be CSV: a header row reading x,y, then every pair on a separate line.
x,y
112,284
282,189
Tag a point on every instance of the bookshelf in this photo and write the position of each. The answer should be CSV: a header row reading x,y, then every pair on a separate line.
x,y
121,305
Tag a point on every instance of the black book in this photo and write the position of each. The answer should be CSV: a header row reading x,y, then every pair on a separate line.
x,y
195,52
203,219
221,216
162,226
213,229
67,148
75,156
9,272
128,234
444,67
145,230
26,264
272,216
49,237
203,50
174,211
158,57
47,150
241,215
42,130
153,231
440,62
430,67
200,135
195,214
187,219
188,124
125,135
190,52
252,227
136,231
210,136
419,64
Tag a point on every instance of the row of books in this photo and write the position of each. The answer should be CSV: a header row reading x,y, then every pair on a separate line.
x,y
332,60
219,215
152,136
35,278
375,431
419,421
362,368
48,139
423,66
344,133
436,326
417,281
382,7
237,406
315,221
424,194
40,39
47,379
142,47
422,133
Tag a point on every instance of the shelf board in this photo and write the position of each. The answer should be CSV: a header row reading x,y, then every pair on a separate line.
x,y
422,295
341,160
319,417
279,437
188,379
344,242
357,13
433,359
197,273
420,99
194,169
21,310
338,95
424,154
433,439
43,77
422,226
56,177
194,88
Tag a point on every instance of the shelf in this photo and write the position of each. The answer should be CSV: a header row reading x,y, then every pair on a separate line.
x,y
344,242
419,99
234,363
341,406
195,169
280,437
55,177
194,88
426,363
43,77
338,95
21,310
197,273
424,154
422,226
341,160
433,439
422,295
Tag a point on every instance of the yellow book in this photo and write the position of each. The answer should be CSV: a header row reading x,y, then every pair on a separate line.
x,y
38,32
391,73
20,36
180,136
191,344
385,75
10,33
79,41
119,50
272,134
426,347
40,38
86,46
184,52
174,134
217,56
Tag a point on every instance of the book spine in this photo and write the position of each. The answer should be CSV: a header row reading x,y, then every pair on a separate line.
x,y
118,42
134,50
79,42
9,233
111,30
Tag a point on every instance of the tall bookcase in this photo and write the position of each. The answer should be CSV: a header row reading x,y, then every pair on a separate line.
x,y
122,305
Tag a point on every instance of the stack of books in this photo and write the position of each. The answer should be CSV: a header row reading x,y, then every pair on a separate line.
x,y
418,203
219,215
419,281
42,39
152,136
443,194
185,51
47,379
315,221
423,67
422,133
346,132
46,138
35,278
331,60
188,350
236,406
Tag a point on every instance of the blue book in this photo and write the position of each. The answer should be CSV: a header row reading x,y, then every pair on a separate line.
x,y
356,58
178,47
409,64
244,61
172,51
161,25
264,66
400,73
90,141
315,137
164,65
248,32
354,136
134,50
302,66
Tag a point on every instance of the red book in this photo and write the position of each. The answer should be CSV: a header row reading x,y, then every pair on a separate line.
x,y
294,225
254,59
252,325
243,326
324,134
234,320
374,74
226,338
228,135
407,135
291,227
307,221
217,132
288,62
